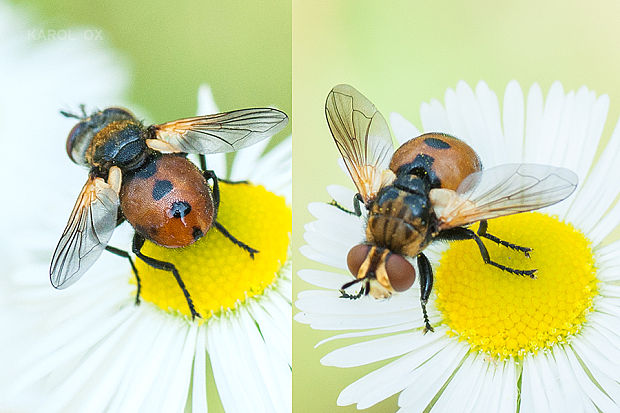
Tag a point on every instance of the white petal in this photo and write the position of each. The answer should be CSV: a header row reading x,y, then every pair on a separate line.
x,y
342,195
489,109
92,362
324,279
382,348
375,332
275,374
602,401
475,130
315,255
549,375
335,247
149,362
331,221
425,380
434,117
533,122
245,161
533,395
571,389
206,102
596,123
64,344
199,376
388,379
513,119
507,376
402,128
462,387
217,163
177,385
587,214
273,170
576,140
548,135
608,260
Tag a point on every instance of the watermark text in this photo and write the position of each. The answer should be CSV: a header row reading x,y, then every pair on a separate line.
x,y
65,34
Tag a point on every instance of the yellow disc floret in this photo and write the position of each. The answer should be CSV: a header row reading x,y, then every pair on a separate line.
x,y
507,315
217,273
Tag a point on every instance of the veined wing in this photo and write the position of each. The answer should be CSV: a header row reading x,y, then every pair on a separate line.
x,y
502,190
222,132
362,137
87,233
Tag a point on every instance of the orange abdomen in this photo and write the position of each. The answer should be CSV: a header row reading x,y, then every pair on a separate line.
x,y
168,201
452,159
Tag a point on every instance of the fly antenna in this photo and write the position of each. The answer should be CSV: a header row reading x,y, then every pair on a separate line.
x,y
73,115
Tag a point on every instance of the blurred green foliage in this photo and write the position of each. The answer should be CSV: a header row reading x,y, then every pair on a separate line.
x,y
242,49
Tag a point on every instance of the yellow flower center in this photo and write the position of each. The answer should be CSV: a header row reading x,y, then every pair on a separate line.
x,y
504,314
217,273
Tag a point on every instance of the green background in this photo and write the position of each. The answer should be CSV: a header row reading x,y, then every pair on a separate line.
x,y
241,49
406,53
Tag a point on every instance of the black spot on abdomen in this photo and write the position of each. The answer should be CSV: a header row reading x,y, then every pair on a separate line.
x,y
147,170
197,233
161,188
180,209
437,143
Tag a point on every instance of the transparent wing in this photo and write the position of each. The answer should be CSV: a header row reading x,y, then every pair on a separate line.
x,y
362,137
87,233
505,190
222,132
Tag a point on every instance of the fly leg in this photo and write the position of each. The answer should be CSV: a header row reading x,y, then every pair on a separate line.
x,y
203,166
335,203
363,291
125,254
138,243
357,199
208,174
426,286
234,240
226,181
482,231
216,201
458,234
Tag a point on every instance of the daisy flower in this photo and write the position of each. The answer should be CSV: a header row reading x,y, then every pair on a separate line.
x,y
90,346
502,343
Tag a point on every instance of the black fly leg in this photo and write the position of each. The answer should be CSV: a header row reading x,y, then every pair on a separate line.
x,y
363,291
357,200
125,254
426,286
216,188
334,203
138,242
234,240
216,200
226,181
203,161
209,174
482,231
457,234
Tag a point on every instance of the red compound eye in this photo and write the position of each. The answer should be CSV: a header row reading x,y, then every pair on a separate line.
x,y
356,257
400,272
